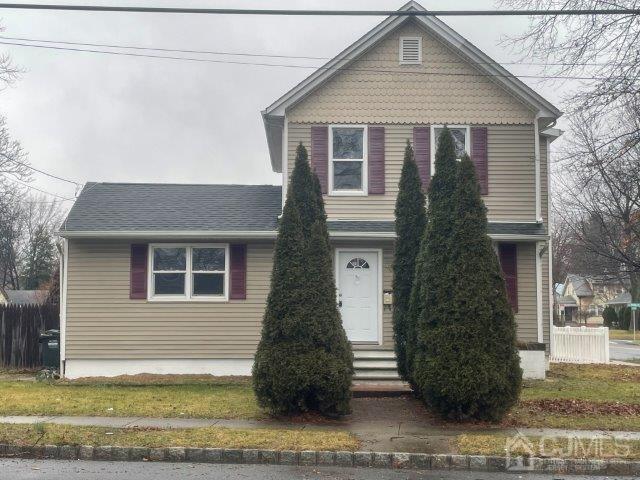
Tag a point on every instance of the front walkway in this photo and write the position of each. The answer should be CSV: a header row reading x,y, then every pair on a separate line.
x,y
382,424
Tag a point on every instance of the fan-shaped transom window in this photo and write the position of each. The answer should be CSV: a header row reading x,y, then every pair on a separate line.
x,y
358,263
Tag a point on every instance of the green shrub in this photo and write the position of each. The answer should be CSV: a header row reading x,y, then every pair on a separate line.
x,y
410,222
469,366
431,287
304,360
624,318
610,317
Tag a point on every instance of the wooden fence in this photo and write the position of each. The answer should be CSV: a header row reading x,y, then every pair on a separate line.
x,y
580,345
20,326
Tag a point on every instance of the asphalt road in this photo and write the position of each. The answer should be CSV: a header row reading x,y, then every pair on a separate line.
x,y
624,350
14,469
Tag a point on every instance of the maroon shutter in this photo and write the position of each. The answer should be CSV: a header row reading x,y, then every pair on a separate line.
x,y
320,154
138,272
376,160
479,157
238,269
422,153
508,253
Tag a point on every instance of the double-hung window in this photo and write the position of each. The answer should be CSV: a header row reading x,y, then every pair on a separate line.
x,y
189,272
460,134
348,160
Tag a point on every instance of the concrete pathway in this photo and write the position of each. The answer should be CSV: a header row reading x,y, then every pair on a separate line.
x,y
382,424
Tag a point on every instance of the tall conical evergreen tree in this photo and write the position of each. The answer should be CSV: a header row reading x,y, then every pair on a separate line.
x,y
410,222
304,360
430,288
473,367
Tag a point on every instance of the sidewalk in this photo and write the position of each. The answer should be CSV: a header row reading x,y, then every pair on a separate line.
x,y
409,431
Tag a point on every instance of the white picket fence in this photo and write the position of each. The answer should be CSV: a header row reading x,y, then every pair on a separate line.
x,y
580,345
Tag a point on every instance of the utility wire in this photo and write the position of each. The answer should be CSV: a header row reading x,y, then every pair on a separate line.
x,y
65,199
246,54
46,173
312,67
391,13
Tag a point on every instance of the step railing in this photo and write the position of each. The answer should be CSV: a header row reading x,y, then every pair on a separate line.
x,y
580,344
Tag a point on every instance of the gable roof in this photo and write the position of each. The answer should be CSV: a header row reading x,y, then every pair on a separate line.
x,y
273,115
581,286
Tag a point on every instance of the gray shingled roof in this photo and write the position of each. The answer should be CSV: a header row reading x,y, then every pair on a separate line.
x,y
174,207
147,207
25,297
623,299
581,286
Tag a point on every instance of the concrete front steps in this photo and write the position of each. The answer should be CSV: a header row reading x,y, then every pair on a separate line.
x,y
376,374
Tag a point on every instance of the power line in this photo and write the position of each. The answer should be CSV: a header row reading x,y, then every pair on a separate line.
x,y
392,13
264,64
64,199
46,173
265,55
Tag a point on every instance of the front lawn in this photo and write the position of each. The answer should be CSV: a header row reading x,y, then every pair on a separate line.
x,y
556,447
623,335
209,437
196,397
603,397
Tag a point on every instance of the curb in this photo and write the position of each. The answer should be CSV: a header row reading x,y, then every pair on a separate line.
x,y
390,460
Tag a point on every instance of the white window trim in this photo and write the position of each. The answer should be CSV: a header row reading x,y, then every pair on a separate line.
x,y
365,163
404,62
187,297
434,142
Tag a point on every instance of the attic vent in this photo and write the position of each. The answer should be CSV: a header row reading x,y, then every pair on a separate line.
x,y
410,50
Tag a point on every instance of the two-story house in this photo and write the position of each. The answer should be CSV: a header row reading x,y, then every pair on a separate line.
x,y
165,278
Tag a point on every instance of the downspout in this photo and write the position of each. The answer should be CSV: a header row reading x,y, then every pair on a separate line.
x,y
285,160
550,252
536,147
64,257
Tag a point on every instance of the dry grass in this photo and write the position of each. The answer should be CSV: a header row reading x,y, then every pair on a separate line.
x,y
209,437
595,388
623,335
557,447
214,398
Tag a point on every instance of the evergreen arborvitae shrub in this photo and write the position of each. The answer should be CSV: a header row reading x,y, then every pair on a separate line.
x,y
473,368
610,317
304,360
431,290
410,222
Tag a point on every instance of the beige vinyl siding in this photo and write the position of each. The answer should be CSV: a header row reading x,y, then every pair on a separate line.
x,y
512,191
102,322
546,290
445,88
526,318
544,180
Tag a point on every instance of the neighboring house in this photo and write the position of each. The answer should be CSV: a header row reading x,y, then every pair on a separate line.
x,y
22,297
620,301
164,278
584,298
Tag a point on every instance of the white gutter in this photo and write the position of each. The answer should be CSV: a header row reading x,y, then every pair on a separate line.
x,y
539,249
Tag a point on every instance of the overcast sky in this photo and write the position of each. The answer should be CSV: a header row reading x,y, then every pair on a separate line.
x,y
92,117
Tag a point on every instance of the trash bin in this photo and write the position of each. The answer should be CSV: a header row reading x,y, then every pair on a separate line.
x,y
50,340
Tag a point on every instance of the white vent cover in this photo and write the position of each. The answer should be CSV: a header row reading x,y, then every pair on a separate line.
x,y
410,50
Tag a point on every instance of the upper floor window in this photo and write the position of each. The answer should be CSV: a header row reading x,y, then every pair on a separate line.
x,y
189,272
461,140
348,160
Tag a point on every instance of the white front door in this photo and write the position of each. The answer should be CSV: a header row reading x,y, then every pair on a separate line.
x,y
358,294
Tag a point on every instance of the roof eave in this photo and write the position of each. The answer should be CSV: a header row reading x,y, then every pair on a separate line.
x,y
262,234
